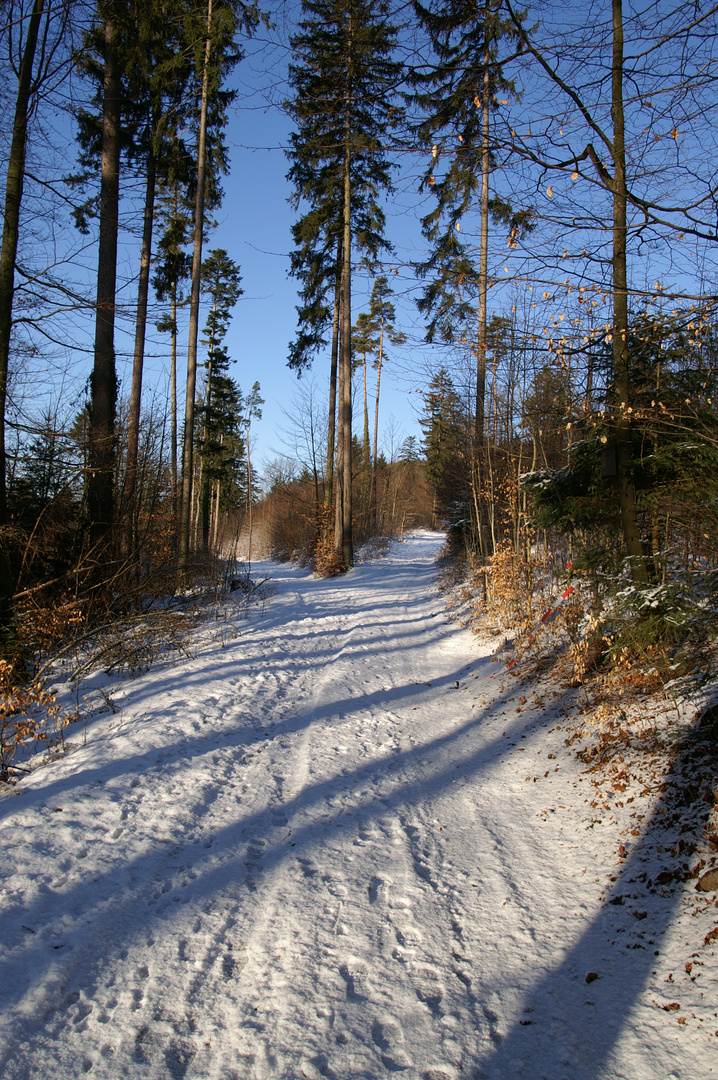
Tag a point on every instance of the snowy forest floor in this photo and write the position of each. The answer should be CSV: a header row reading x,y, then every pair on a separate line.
x,y
341,840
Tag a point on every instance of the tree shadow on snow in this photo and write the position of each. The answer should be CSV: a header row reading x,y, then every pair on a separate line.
x,y
571,1028
206,741
576,1012
113,901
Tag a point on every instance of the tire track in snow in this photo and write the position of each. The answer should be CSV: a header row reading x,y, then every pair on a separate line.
x,y
384,982
330,958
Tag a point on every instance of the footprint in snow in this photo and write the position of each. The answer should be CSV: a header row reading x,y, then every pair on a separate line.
x,y
255,848
429,988
409,937
388,1037
83,1011
355,976
378,889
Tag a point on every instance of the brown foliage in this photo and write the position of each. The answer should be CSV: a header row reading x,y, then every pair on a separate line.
x,y
29,717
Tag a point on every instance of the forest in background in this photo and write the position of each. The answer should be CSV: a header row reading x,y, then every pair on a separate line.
x,y
563,163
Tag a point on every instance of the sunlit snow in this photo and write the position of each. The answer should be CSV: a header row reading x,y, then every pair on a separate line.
x,y
318,849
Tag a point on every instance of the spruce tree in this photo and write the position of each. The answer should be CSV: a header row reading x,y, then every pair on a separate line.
x,y
345,83
220,280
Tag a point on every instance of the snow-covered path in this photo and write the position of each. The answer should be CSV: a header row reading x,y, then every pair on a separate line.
x,y
312,851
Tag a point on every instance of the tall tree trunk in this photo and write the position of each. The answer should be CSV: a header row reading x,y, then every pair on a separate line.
x,y
366,460
103,402
215,534
479,421
249,499
345,388
205,486
481,345
331,429
339,485
375,448
11,229
621,360
133,424
187,454
173,403
194,516
345,332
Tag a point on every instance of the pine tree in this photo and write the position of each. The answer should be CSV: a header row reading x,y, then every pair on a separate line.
x,y
221,453
220,280
674,434
345,80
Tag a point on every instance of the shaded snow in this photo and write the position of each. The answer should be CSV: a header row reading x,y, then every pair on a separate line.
x,y
318,849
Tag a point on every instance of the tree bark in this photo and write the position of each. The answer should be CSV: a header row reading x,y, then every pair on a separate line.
x,y
249,499
331,430
173,403
481,345
133,424
103,402
479,420
345,360
375,448
621,360
187,454
205,487
344,519
339,485
11,230
215,535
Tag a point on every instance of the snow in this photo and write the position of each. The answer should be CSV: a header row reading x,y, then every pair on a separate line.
x,y
334,843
